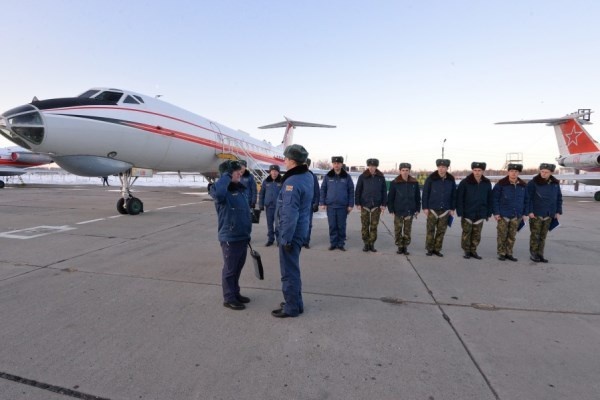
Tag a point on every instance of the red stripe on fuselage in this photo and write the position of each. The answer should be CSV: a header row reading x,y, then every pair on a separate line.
x,y
11,163
181,135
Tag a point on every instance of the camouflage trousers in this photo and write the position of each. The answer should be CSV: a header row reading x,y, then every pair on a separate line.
x,y
369,220
539,230
471,235
402,228
507,235
436,229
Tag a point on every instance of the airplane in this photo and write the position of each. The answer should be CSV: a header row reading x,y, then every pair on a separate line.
x,y
15,161
578,150
106,131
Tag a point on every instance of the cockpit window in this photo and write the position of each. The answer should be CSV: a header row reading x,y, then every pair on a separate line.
x,y
112,97
130,100
88,94
139,98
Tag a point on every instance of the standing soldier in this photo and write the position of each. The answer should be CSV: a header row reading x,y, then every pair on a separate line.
x,y
545,204
234,226
250,184
337,197
473,205
315,204
439,197
509,202
267,199
292,213
404,201
370,199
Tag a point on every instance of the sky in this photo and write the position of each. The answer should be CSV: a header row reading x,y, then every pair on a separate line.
x,y
395,77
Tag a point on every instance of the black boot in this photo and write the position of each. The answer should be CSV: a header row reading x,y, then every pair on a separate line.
x,y
542,259
405,251
400,250
475,255
534,257
366,248
372,248
467,255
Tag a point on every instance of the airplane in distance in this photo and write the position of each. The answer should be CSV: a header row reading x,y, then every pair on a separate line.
x,y
578,150
107,131
14,161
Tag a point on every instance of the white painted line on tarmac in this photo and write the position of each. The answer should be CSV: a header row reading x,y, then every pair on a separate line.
x,y
36,231
190,204
164,208
90,221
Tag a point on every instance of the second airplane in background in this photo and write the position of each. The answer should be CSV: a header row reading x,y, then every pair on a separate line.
x,y
578,150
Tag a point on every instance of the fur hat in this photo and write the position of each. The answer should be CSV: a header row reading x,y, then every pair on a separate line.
x,y
373,161
274,167
405,165
339,159
442,161
477,164
550,167
243,162
229,166
518,167
296,152
308,162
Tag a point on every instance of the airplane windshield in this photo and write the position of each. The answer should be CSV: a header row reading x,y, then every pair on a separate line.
x,y
88,94
109,96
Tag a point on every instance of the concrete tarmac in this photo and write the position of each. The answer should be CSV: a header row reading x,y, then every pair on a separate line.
x,y
97,305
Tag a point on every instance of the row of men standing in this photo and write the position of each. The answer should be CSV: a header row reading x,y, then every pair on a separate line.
x,y
510,202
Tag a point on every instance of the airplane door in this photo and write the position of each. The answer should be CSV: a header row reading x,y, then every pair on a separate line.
x,y
218,137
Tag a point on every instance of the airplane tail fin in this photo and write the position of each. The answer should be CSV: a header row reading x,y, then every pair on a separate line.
x,y
290,125
571,136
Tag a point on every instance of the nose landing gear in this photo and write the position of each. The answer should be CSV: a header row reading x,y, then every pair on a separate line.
x,y
128,204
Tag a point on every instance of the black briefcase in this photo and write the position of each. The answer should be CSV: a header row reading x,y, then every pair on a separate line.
x,y
258,266
255,215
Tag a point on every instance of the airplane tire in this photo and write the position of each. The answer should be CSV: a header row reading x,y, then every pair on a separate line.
x,y
597,196
121,206
134,206
1,184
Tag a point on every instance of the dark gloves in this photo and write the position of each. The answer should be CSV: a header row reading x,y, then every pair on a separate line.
x,y
262,209
253,206
288,248
316,208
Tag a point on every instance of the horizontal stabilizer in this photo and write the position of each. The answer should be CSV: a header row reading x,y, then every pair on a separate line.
x,y
553,121
293,123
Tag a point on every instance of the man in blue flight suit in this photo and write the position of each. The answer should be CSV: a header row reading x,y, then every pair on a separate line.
x,y
509,202
315,204
234,227
545,205
337,197
439,199
248,181
291,227
267,199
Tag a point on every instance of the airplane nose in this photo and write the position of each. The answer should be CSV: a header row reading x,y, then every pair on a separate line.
x,y
23,126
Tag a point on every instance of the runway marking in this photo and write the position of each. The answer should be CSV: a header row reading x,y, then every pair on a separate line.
x,y
164,208
189,204
36,231
90,221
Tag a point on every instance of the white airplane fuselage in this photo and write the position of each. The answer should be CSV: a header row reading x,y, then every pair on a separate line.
x,y
114,130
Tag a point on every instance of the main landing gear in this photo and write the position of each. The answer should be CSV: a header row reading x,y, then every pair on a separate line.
x,y
597,196
1,184
128,204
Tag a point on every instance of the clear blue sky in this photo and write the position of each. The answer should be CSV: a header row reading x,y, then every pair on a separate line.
x,y
396,77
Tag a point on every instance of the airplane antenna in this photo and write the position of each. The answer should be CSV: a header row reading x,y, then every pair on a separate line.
x,y
290,125
157,96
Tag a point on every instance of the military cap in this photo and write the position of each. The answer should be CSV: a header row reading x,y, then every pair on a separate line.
x,y
477,164
550,167
518,167
339,159
442,161
274,167
244,163
229,166
296,152
405,165
373,161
